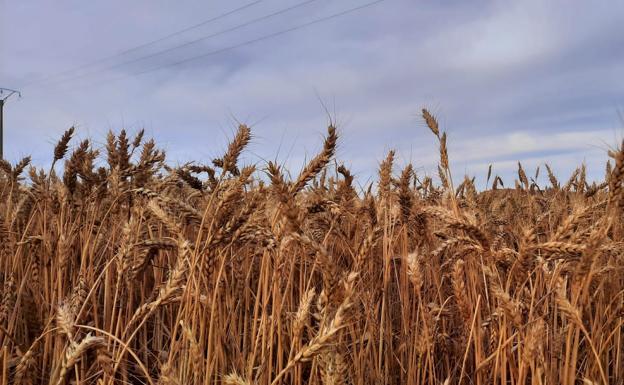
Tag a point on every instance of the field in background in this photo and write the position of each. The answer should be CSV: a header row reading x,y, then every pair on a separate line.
x,y
139,273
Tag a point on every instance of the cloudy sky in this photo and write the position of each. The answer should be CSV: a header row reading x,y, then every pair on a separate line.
x,y
533,81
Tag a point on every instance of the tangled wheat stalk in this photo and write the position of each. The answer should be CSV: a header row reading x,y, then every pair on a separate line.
x,y
137,272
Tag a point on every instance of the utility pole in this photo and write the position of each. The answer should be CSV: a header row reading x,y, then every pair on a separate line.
x,y
5,94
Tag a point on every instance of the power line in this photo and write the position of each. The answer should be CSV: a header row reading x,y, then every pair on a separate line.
x,y
188,43
143,45
265,37
201,24
245,43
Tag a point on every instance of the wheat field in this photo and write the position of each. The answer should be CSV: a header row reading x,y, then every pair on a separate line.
x,y
136,272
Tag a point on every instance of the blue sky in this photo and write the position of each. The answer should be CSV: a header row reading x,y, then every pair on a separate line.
x,y
529,81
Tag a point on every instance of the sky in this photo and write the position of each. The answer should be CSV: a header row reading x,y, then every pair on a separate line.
x,y
530,81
